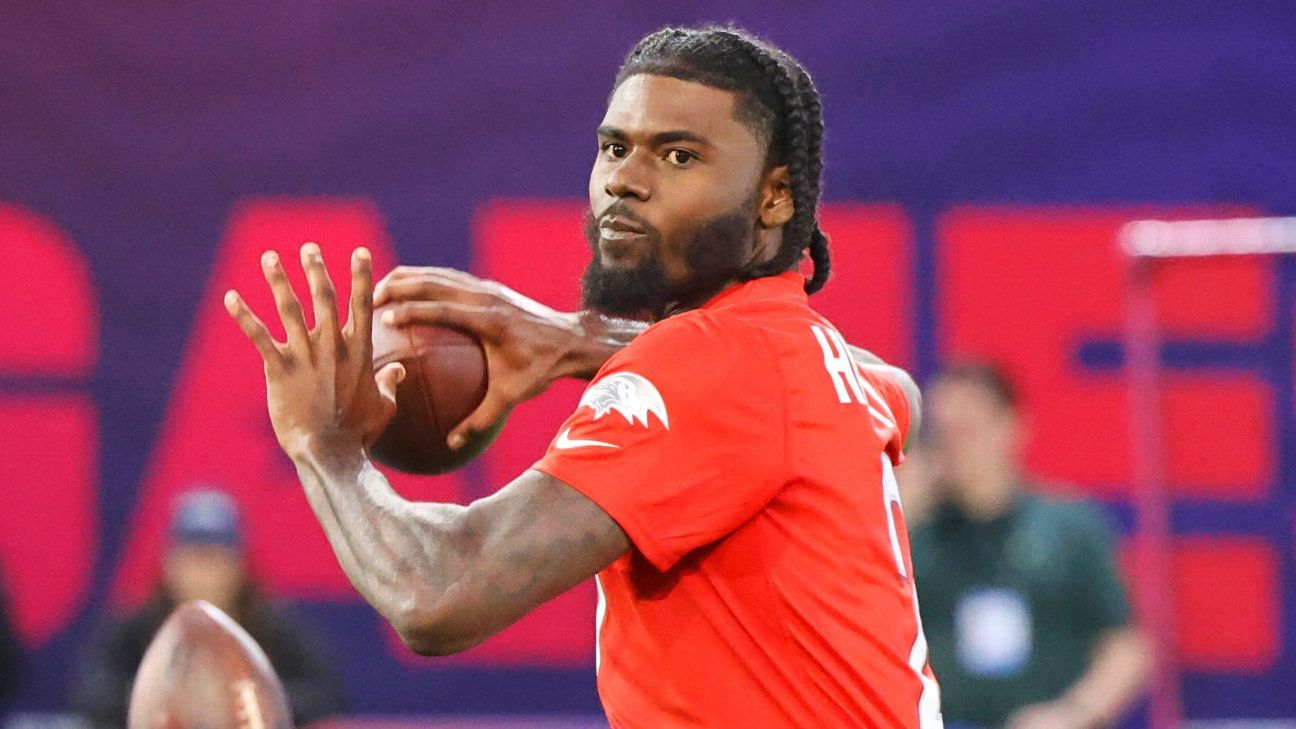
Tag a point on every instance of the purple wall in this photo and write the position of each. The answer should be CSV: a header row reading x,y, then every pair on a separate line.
x,y
136,127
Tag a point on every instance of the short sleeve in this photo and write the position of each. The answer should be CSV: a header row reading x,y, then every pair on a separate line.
x,y
1103,599
681,437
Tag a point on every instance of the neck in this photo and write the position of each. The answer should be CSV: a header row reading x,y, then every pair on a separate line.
x,y
694,298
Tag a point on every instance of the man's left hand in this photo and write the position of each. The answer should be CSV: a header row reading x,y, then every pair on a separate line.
x,y
320,383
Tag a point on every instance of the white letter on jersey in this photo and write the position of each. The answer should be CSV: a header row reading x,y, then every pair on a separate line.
x,y
840,366
929,713
891,500
845,375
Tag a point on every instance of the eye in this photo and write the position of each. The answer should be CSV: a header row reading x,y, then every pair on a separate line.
x,y
613,149
680,157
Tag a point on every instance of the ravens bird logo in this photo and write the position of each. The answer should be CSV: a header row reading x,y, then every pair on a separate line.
x,y
629,394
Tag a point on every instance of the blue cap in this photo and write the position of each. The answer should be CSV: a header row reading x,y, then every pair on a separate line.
x,y
206,516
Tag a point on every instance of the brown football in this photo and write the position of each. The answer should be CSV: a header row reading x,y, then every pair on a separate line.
x,y
445,380
203,671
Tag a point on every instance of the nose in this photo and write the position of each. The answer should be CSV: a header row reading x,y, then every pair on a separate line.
x,y
628,178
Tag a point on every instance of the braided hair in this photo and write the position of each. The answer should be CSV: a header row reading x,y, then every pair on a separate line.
x,y
778,100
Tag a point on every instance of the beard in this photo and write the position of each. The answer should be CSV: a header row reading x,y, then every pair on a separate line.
x,y
716,253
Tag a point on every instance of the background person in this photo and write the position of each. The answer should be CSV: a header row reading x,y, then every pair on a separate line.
x,y
207,561
1026,615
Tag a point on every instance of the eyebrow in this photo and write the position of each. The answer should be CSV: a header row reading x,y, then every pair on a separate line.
x,y
656,140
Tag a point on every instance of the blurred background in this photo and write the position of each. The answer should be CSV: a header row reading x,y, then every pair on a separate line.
x,y
981,160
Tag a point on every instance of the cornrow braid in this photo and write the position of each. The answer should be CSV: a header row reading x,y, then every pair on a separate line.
x,y
818,245
778,99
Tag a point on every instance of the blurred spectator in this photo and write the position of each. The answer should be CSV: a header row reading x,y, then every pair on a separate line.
x,y
206,561
11,653
1026,616
919,491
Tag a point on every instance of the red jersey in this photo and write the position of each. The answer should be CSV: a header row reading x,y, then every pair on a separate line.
x,y
749,460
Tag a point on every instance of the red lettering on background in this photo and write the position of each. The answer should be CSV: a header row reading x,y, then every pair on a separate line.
x,y
1028,288
1219,298
870,295
51,318
1219,435
48,530
216,429
1229,609
536,248
1229,606
49,472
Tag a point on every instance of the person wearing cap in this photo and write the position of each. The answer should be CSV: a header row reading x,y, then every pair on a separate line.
x,y
205,560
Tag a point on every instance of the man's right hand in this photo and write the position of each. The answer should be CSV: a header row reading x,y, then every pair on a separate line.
x,y
528,345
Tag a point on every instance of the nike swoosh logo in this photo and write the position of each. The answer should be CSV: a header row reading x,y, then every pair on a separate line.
x,y
565,443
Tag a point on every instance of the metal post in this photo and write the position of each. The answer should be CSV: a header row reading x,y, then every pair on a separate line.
x,y
1152,498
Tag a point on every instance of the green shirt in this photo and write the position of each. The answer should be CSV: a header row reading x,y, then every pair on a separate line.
x,y
1012,607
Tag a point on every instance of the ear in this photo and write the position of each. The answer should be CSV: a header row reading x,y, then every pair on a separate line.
x,y
774,205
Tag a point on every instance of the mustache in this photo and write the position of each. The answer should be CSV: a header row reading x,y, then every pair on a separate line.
x,y
620,209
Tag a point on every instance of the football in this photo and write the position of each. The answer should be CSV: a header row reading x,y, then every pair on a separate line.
x,y
445,380
203,671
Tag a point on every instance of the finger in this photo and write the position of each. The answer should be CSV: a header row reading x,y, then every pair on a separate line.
x,y
400,273
290,311
433,285
360,316
252,326
484,322
380,290
492,410
387,379
323,296
454,274
422,288
415,272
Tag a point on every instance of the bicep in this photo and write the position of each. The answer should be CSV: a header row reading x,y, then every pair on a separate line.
x,y
526,544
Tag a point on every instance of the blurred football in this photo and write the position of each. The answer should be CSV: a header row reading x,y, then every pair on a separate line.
x,y
445,380
203,671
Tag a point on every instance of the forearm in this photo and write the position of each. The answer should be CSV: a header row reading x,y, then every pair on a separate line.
x,y
448,577
400,555
1116,674
596,337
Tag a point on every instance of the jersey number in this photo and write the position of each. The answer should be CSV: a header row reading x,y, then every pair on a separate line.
x,y
894,514
929,715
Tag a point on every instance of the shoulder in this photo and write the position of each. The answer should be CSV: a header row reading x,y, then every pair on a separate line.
x,y
1077,520
125,637
704,367
142,622
283,618
699,345
923,539
715,332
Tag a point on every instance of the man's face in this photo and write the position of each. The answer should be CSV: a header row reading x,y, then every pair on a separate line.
x,y
672,196
969,424
204,572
